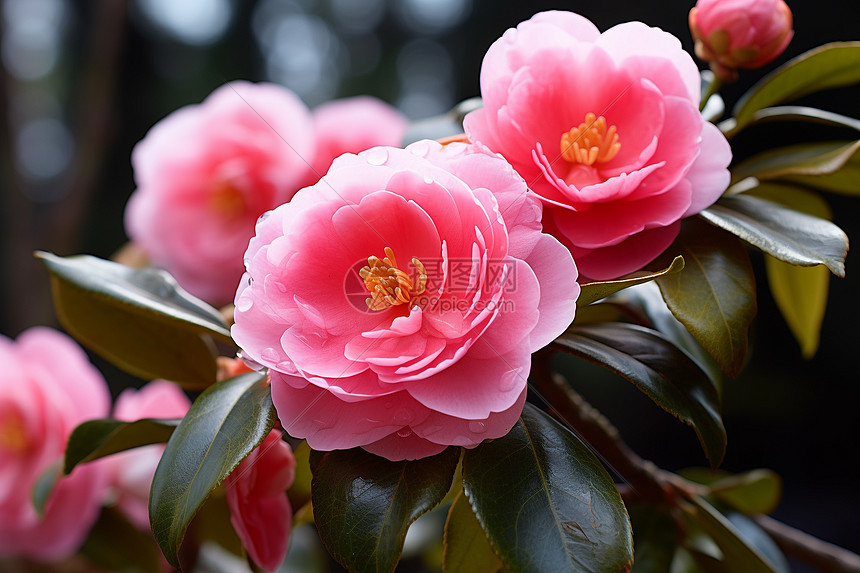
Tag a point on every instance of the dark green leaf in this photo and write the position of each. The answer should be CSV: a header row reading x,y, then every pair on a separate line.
x,y
116,545
786,234
647,300
224,425
363,504
592,292
44,486
96,439
545,501
793,113
738,554
467,549
655,537
659,369
138,319
828,165
300,492
825,67
757,538
715,295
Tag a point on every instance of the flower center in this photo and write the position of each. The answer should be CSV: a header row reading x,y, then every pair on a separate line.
x,y
591,142
226,199
13,436
388,285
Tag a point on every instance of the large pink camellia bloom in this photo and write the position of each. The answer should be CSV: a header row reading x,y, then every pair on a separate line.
x,y
47,387
133,469
259,508
206,172
353,124
397,302
605,129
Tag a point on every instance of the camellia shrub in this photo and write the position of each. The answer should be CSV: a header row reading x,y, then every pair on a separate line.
x,y
397,303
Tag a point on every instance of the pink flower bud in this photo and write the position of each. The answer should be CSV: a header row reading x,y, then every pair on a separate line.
x,y
733,34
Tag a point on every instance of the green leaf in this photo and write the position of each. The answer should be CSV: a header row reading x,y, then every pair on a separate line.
x,y
595,291
793,113
825,67
467,549
783,233
801,295
546,502
659,369
363,504
756,491
715,295
300,492
44,486
138,319
96,439
115,545
828,165
655,537
738,553
799,292
759,539
223,425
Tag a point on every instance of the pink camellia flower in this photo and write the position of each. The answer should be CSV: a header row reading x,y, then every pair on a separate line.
x,y
47,387
259,508
133,470
351,125
605,129
733,34
206,172
397,303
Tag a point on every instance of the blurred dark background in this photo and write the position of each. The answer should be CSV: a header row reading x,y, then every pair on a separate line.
x,y
83,81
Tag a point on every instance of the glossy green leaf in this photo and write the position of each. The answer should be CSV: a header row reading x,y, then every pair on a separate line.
x,y
546,502
715,295
759,539
799,292
785,234
738,553
793,113
655,538
827,165
138,319
115,545
595,291
223,425
44,486
363,504
756,491
648,301
467,549
300,492
96,439
825,67
659,369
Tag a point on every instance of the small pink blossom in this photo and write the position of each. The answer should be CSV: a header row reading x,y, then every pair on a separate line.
x,y
47,387
733,34
206,172
133,470
397,303
605,129
259,508
351,125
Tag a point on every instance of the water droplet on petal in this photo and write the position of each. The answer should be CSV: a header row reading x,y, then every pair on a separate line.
x,y
403,416
431,430
509,381
280,286
404,432
477,427
420,148
270,355
428,180
245,302
377,156
389,404
263,217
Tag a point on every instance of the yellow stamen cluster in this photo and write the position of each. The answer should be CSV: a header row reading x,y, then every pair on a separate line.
x,y
591,142
13,436
227,199
388,285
